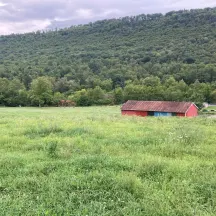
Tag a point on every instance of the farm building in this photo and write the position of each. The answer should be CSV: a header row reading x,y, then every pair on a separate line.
x,y
159,108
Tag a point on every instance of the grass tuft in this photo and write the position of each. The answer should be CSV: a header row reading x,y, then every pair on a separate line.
x,y
51,148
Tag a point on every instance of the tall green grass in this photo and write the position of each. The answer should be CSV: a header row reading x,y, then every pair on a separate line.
x,y
93,161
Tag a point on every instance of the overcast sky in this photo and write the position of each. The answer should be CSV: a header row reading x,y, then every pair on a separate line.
x,y
18,16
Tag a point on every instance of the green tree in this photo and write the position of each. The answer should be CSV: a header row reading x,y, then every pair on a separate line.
x,y
81,98
118,95
57,97
4,83
41,91
151,81
213,97
96,95
107,85
15,90
23,97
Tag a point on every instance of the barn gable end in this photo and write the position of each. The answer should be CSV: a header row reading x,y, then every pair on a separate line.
x,y
192,111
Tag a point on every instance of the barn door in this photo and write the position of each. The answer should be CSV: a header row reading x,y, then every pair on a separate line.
x,y
150,113
162,114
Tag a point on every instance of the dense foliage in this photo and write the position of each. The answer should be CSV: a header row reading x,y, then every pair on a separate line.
x,y
112,54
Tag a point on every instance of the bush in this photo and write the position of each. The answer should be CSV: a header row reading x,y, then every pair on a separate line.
x,y
51,148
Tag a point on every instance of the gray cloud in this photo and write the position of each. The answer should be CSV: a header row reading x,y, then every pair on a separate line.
x,y
24,16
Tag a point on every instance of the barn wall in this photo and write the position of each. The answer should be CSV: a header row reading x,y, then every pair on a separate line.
x,y
192,112
135,113
180,114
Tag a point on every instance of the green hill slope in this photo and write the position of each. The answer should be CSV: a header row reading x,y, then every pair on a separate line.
x,y
181,44
181,37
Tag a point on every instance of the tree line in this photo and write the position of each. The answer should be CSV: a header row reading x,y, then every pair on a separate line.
x,y
46,91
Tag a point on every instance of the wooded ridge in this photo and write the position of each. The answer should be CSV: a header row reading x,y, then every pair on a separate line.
x,y
149,57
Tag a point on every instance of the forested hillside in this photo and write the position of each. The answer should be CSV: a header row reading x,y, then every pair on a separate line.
x,y
152,57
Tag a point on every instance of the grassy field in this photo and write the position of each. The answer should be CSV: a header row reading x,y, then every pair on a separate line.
x,y
92,161
211,108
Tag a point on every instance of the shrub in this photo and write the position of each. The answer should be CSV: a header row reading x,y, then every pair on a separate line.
x,y
51,148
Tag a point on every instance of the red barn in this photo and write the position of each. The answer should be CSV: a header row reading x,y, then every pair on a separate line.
x,y
159,108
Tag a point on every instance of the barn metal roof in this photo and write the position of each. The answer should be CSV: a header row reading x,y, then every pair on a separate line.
x,y
156,106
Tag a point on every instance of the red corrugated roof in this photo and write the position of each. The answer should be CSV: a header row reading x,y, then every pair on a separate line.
x,y
157,106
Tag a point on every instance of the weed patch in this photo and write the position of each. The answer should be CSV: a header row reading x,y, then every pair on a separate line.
x,y
51,148
42,131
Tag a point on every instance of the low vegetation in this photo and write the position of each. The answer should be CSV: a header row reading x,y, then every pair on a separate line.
x,y
211,110
93,161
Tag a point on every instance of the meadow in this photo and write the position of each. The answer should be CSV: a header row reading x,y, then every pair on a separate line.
x,y
93,161
211,108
